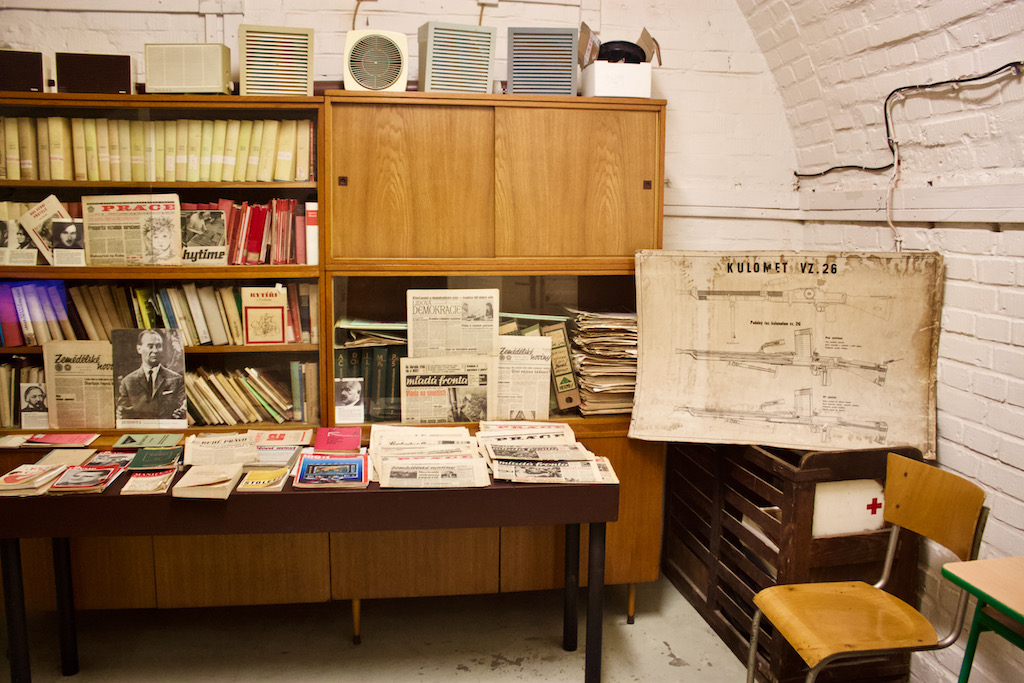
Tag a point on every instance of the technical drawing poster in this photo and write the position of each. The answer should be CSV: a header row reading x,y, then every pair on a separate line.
x,y
819,351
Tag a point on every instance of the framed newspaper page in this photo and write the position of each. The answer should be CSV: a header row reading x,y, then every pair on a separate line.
x,y
821,351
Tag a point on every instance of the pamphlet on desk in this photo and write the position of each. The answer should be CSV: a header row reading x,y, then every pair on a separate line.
x,y
263,480
85,479
156,458
325,470
146,482
208,481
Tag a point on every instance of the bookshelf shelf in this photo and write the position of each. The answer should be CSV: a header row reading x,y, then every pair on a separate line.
x,y
132,294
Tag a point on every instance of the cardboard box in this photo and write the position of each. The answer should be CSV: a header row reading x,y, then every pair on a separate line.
x,y
616,79
601,78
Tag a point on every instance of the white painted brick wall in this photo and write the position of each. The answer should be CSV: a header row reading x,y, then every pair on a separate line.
x,y
757,89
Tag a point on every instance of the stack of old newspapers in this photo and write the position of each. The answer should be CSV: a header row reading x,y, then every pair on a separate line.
x,y
540,452
426,457
604,353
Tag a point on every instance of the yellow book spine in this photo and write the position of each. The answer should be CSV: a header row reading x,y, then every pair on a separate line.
x,y
255,143
60,149
159,160
242,156
92,152
28,149
43,148
103,148
170,151
114,140
78,148
137,129
193,144
205,149
284,165
220,134
268,151
124,141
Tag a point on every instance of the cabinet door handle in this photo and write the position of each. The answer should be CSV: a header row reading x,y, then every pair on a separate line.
x,y
343,180
648,184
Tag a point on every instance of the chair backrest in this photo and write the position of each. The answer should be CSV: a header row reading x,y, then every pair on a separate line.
x,y
933,503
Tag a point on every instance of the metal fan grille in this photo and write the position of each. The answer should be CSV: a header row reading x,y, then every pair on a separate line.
x,y
375,62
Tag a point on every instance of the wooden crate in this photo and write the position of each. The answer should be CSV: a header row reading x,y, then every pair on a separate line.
x,y
716,494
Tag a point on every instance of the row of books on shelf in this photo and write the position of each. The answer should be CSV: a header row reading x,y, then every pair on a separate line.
x,y
173,150
86,385
129,230
377,394
33,312
246,396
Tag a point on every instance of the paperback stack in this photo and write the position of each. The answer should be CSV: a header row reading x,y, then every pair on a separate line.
x,y
604,353
336,460
30,480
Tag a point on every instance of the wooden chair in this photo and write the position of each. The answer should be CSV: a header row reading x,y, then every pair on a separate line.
x,y
825,622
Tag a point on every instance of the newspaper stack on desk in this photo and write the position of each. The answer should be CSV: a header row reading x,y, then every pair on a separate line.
x,y
604,353
426,457
540,452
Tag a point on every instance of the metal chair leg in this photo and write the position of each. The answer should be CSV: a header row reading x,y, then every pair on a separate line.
x,y
755,630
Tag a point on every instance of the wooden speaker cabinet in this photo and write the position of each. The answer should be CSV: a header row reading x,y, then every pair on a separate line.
x,y
739,519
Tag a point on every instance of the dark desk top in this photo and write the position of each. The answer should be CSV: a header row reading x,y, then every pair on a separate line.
x,y
301,511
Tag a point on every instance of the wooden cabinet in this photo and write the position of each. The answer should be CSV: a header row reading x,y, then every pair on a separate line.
x,y
546,198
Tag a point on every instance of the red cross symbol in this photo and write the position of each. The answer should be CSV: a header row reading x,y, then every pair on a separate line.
x,y
874,506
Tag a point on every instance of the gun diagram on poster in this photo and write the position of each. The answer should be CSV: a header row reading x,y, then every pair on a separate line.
x,y
822,351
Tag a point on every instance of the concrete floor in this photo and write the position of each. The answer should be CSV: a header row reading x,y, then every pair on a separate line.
x,y
512,637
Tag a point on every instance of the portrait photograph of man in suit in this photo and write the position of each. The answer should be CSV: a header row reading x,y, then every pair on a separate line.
x,y
153,391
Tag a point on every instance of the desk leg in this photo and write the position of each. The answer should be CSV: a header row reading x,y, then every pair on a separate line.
x,y
571,588
14,608
595,602
65,606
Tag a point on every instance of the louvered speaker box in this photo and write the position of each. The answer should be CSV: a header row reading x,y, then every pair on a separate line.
x,y
89,73
456,57
21,71
542,61
275,60
188,68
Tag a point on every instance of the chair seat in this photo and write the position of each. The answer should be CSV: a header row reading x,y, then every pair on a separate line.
x,y
823,619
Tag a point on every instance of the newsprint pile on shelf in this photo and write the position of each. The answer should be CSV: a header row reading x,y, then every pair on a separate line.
x,y
261,461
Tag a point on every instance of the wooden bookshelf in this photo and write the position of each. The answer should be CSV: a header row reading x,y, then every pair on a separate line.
x,y
461,188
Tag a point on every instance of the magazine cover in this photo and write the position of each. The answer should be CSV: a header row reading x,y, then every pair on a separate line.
x,y
204,238
149,368
68,242
37,224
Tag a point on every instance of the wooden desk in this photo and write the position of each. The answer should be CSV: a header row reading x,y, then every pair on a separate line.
x,y
999,586
301,511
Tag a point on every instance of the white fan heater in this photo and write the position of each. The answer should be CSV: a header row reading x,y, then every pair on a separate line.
x,y
376,60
